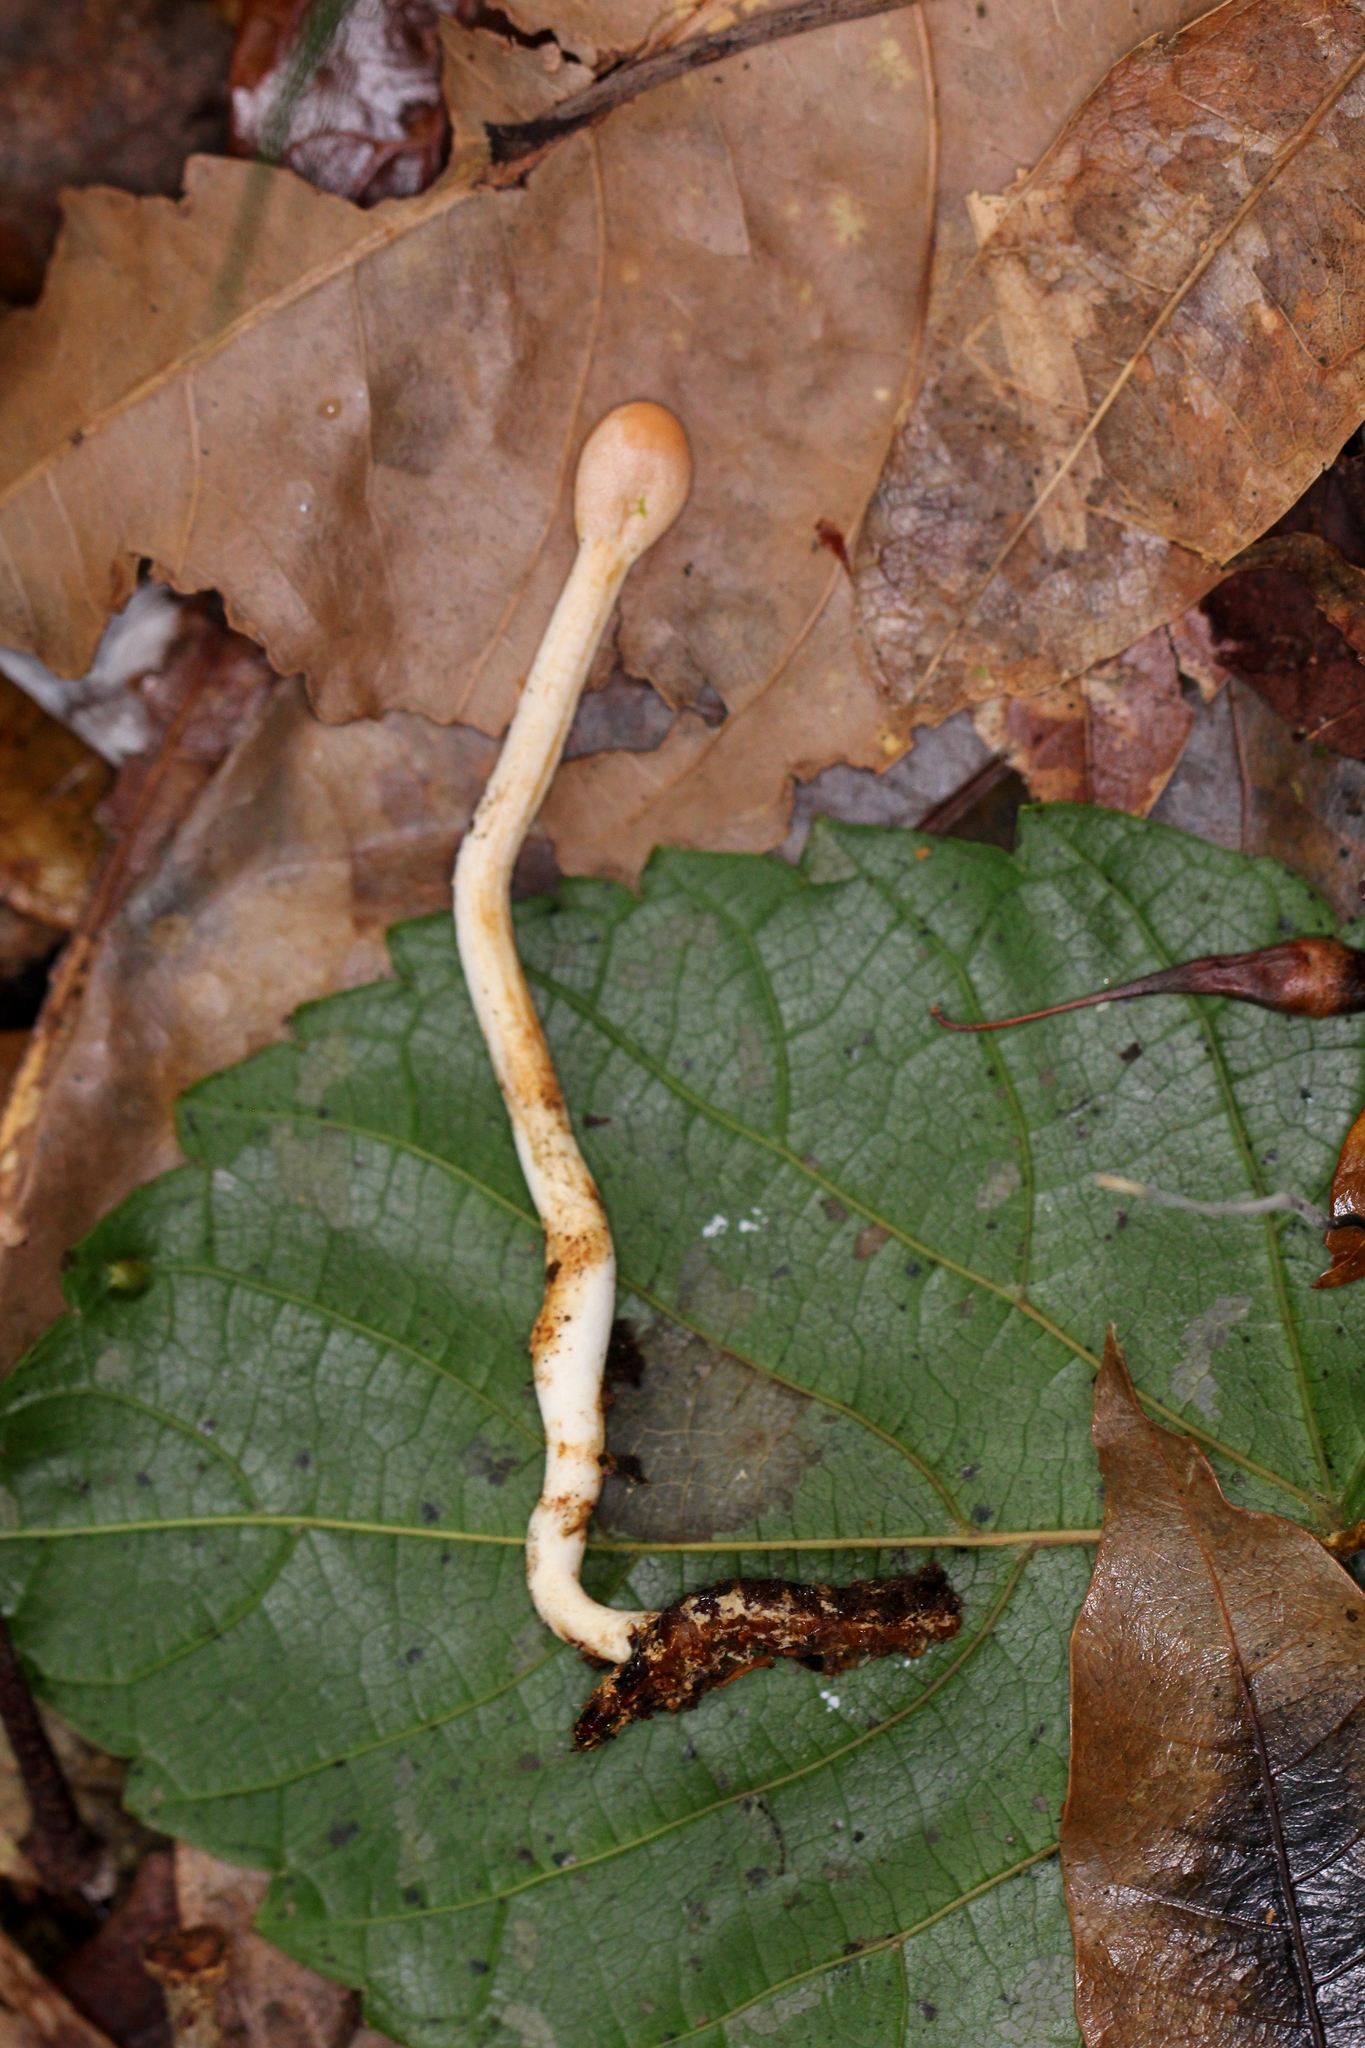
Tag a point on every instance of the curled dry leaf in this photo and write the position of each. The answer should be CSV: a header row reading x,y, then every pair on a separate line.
x,y
276,889
362,116
1150,358
1346,1238
1211,1840
198,707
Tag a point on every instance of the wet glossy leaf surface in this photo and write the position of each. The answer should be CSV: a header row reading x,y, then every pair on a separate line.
x,y
868,1252
1212,1835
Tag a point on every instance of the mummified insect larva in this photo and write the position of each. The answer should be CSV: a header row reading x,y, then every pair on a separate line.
x,y
707,1638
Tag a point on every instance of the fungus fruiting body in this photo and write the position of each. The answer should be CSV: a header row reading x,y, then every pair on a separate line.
x,y
633,479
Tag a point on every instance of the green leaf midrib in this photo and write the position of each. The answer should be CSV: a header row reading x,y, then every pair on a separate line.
x,y
392,1141
612,1546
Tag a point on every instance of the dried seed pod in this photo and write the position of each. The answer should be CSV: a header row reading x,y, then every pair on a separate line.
x,y
706,1639
1299,978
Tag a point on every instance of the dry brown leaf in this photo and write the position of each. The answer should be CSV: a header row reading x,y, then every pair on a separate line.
x,y
33,2012
1267,629
361,433
1211,1840
1150,358
1245,781
306,846
747,245
269,2001
1112,737
594,30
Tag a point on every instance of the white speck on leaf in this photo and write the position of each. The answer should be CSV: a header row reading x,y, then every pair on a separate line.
x,y
1192,1381
715,1226
531,2028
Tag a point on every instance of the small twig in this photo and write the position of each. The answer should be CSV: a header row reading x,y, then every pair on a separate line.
x,y
67,1855
511,142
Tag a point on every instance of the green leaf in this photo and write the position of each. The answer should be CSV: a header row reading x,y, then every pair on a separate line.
x,y
266,1504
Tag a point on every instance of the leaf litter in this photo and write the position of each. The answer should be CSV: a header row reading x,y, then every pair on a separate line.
x,y
1211,1835
1142,789
1154,342
435,422
755,623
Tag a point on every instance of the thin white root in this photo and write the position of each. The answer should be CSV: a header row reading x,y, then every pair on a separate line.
x,y
1258,1205
633,479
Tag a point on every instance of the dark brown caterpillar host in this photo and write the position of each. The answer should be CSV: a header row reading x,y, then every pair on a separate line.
x,y
707,1638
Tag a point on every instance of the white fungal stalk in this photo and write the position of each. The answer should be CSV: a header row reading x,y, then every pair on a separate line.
x,y
633,478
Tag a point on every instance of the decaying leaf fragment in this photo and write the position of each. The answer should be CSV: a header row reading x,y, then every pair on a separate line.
x,y
1346,1238
1213,1840
1150,358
